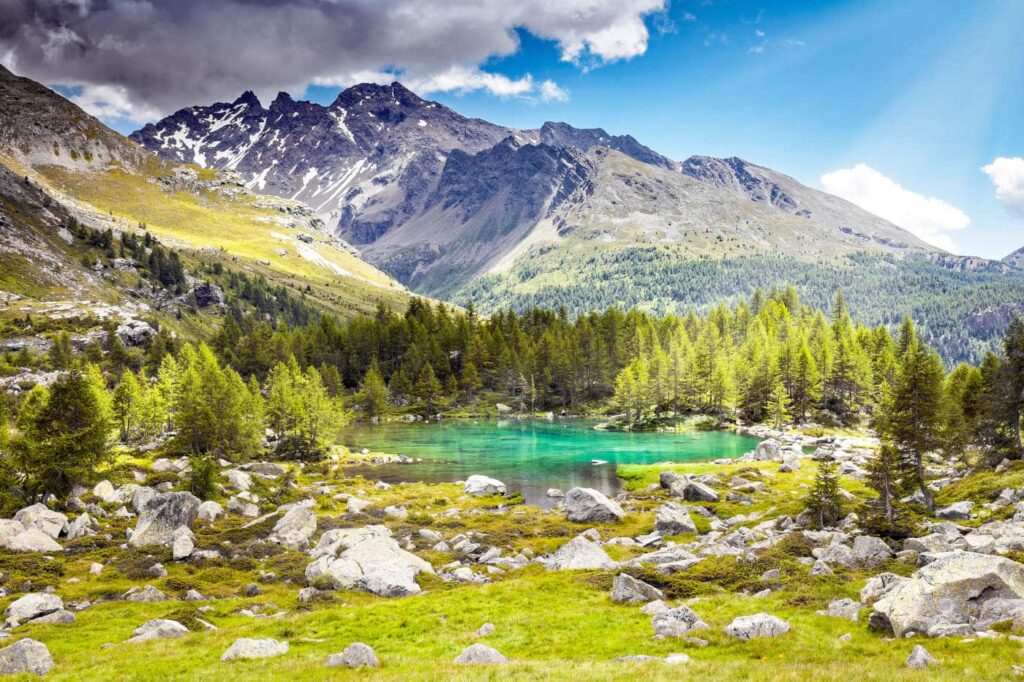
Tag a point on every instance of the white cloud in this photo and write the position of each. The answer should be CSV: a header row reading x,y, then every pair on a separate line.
x,y
928,218
467,79
1007,174
167,55
551,91
111,102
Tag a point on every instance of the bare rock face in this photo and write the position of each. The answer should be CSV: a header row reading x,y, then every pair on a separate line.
x,y
162,514
958,593
25,656
586,505
368,559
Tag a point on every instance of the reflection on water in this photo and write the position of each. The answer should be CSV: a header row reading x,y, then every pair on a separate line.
x,y
529,456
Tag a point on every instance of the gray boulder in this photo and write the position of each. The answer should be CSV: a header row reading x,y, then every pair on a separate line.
x,y
161,515
254,648
295,528
949,595
628,590
210,511
758,625
586,505
958,511
158,628
482,486
695,491
25,656
355,655
480,654
33,605
842,608
182,543
869,551
677,622
767,450
39,516
673,519
576,554
32,540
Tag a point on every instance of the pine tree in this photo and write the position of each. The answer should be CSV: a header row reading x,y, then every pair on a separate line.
x,y
63,435
912,410
470,381
126,405
427,386
884,514
824,502
373,393
779,406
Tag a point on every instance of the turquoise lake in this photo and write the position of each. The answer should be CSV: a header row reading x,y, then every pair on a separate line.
x,y
530,456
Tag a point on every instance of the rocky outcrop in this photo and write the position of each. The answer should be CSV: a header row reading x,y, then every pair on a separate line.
x,y
161,515
368,559
957,593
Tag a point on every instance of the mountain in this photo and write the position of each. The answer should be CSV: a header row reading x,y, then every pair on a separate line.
x,y
1016,258
438,199
104,181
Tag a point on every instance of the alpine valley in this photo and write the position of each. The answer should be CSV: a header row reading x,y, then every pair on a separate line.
x,y
474,212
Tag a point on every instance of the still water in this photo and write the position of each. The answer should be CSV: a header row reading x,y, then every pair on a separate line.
x,y
530,456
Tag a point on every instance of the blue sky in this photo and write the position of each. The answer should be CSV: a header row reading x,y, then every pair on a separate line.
x,y
896,105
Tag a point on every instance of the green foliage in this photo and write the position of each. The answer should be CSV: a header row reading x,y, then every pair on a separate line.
x,y
202,476
373,393
823,501
63,434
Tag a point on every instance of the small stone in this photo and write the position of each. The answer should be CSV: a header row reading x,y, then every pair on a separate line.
x,y
920,658
485,630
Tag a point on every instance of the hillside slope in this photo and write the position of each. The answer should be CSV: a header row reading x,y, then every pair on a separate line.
x,y
108,182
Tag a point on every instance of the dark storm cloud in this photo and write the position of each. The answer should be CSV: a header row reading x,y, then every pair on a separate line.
x,y
140,58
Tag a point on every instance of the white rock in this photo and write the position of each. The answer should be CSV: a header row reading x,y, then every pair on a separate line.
x,y
483,486
758,625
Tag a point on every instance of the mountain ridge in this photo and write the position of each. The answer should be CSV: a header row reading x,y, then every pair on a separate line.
x,y
405,180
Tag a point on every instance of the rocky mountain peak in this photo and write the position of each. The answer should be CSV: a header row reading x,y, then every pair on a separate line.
x,y
248,98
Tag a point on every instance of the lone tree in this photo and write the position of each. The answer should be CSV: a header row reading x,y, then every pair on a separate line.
x,y
63,437
824,502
